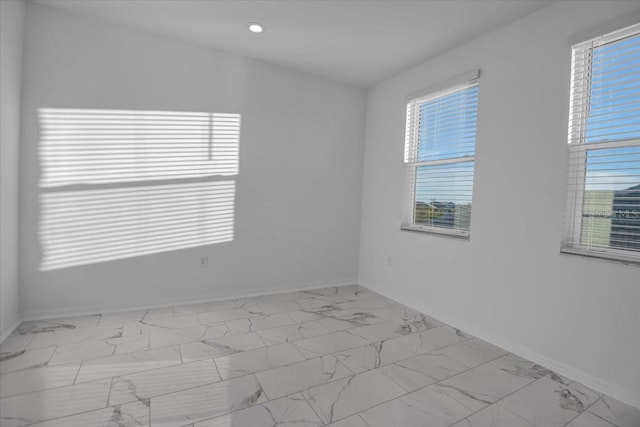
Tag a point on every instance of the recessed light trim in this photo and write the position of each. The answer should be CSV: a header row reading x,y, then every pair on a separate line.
x,y
254,27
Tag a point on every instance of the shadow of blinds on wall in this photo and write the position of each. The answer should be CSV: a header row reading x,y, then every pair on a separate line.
x,y
117,184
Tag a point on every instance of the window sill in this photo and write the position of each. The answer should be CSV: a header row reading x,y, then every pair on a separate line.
x,y
621,259
436,231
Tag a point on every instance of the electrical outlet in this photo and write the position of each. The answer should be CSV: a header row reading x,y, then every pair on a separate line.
x,y
204,261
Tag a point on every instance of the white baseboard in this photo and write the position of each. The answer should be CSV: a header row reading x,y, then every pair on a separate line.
x,y
7,331
53,314
627,396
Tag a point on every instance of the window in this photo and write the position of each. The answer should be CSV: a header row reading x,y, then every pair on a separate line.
x,y
439,159
118,184
603,209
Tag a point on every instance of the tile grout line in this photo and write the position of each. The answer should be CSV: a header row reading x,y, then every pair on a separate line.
x,y
437,382
70,415
333,354
78,372
264,370
179,352
136,373
184,389
215,365
445,379
313,409
111,380
317,357
586,409
510,411
223,322
168,306
497,402
140,371
395,304
302,391
363,420
40,365
51,356
63,386
421,388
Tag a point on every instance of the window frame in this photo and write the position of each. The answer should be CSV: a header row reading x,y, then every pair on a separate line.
x,y
412,146
578,150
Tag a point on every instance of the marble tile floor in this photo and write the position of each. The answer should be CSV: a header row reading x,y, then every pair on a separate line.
x,y
340,357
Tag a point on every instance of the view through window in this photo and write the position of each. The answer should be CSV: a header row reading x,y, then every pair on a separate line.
x,y
439,160
604,147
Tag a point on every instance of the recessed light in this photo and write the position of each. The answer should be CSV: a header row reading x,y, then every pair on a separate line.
x,y
255,28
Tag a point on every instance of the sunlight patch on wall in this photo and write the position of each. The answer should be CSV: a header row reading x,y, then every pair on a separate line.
x,y
117,184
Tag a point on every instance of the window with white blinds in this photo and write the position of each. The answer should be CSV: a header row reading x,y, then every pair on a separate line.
x,y
117,184
439,160
603,204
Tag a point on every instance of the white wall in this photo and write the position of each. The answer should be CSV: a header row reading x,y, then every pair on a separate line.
x,y
298,192
509,283
11,30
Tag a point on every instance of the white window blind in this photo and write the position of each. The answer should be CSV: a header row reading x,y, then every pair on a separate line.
x,y
116,184
603,203
439,160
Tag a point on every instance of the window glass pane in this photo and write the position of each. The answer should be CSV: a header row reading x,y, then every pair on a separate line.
x,y
614,108
611,204
443,195
447,126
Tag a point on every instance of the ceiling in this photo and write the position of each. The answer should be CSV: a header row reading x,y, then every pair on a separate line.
x,y
358,42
